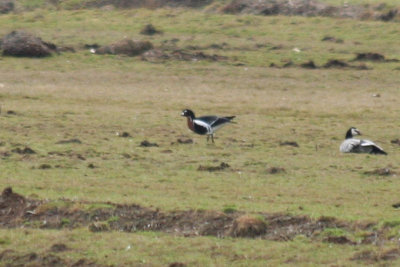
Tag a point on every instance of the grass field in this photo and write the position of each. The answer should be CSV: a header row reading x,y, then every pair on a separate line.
x,y
94,98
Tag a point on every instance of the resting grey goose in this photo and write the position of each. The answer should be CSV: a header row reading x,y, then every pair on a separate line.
x,y
352,145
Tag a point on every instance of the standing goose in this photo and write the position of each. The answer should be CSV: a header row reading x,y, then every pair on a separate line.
x,y
205,125
352,145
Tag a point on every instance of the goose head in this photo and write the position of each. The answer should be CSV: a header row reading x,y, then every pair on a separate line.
x,y
188,113
353,131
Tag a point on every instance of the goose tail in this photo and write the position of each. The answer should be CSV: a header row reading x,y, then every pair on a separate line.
x,y
378,150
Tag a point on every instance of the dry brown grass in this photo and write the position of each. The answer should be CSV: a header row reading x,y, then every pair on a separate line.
x,y
248,226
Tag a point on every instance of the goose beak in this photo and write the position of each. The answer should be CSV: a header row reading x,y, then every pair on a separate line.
x,y
358,132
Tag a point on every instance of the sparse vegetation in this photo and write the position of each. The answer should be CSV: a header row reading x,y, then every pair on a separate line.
x,y
61,145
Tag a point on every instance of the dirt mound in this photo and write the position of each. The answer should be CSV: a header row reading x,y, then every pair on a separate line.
x,y
370,56
146,143
25,150
332,63
280,7
275,170
335,63
146,3
389,15
23,44
13,206
149,29
308,65
6,6
248,226
17,211
125,47
309,8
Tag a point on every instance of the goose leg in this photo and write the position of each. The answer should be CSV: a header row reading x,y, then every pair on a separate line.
x,y
212,138
208,137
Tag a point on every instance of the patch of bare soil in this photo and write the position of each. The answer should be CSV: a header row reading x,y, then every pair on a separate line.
x,y
220,167
14,259
308,8
184,141
44,166
147,3
332,39
25,150
124,134
275,170
333,63
339,240
381,172
395,141
289,143
146,143
126,47
6,6
58,247
70,154
69,141
308,65
177,264
375,256
17,211
372,57
157,55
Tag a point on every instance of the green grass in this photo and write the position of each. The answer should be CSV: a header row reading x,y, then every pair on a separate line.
x,y
133,249
92,97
